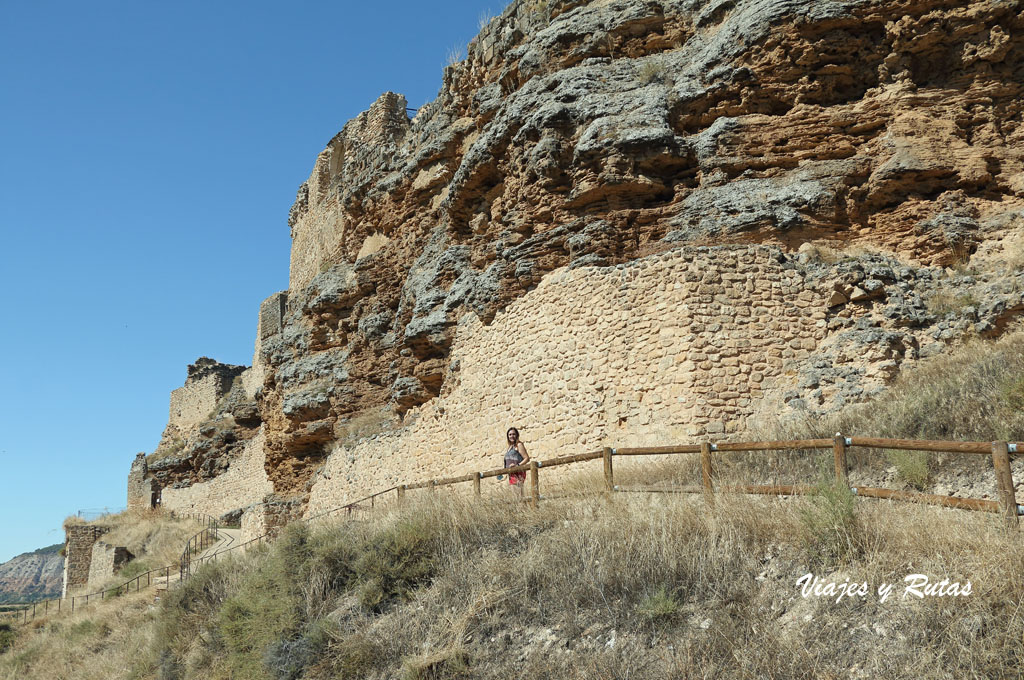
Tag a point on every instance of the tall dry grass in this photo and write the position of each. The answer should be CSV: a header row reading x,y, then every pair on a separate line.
x,y
101,640
631,585
973,392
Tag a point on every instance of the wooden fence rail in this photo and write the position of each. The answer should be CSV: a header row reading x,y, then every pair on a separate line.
x,y
1000,452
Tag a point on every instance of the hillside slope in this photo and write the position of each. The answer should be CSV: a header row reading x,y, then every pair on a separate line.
x,y
32,576
630,587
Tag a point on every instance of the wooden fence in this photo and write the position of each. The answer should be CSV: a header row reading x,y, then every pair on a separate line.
x,y
999,453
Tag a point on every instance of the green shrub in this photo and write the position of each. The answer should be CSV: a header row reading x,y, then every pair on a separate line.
x,y
185,617
168,667
287,659
7,637
394,562
133,568
912,466
832,534
260,613
659,606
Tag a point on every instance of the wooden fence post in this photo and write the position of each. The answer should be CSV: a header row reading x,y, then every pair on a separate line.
x,y
705,467
476,483
839,453
1004,482
534,484
609,475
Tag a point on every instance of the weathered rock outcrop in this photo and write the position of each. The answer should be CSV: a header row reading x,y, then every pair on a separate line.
x,y
876,146
594,133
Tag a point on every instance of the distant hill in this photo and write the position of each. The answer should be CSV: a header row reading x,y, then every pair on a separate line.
x,y
32,576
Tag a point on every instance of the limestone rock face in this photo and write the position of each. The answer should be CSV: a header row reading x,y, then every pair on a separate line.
x,y
594,133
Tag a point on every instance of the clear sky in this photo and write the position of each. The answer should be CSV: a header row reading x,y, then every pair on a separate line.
x,y
149,153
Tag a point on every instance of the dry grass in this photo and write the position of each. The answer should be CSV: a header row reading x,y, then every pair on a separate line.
x,y
943,302
455,55
151,534
630,586
651,72
971,393
98,642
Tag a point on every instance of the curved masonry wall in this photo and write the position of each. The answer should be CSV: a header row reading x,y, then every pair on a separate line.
x,y
691,337
243,484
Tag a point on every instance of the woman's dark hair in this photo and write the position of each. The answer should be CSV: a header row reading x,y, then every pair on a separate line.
x,y
511,429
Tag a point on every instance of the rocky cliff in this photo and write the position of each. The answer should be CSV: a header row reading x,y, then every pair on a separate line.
x,y
32,576
871,152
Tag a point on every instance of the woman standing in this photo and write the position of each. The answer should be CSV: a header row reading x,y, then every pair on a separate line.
x,y
515,454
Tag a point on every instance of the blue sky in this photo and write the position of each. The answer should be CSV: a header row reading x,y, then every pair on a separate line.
x,y
149,153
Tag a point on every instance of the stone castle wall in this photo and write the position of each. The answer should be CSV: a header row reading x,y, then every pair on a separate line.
x,y
193,403
354,155
661,350
244,483
106,560
140,489
263,518
270,322
78,551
